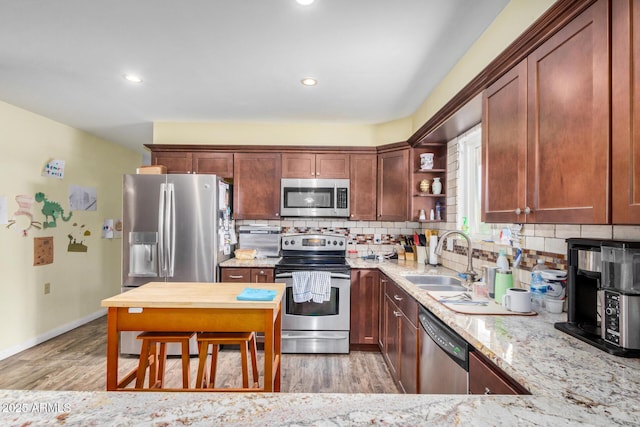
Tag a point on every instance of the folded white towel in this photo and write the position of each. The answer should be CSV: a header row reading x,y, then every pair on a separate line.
x,y
320,286
301,286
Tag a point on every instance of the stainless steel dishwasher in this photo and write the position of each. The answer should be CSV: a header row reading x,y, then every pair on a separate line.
x,y
444,357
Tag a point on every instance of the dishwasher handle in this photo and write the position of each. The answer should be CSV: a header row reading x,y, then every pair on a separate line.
x,y
445,338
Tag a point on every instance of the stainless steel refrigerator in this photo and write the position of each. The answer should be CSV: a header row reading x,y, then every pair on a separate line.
x,y
176,228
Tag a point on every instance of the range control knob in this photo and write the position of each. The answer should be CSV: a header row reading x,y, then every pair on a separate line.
x,y
335,242
286,243
341,243
293,242
610,311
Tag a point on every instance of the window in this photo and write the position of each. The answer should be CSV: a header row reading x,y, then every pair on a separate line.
x,y
470,184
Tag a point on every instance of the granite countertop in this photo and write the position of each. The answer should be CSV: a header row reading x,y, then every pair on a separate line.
x,y
250,263
571,383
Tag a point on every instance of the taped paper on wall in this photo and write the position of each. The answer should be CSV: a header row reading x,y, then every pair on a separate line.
x,y
54,169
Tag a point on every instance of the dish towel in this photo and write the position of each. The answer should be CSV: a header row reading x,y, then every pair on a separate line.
x,y
301,288
320,286
252,294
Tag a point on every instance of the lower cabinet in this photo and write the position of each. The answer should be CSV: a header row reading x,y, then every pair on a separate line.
x,y
246,275
400,340
365,302
486,378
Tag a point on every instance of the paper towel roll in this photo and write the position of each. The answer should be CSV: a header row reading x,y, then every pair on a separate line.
x,y
433,258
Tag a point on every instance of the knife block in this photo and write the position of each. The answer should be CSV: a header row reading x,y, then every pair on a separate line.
x,y
411,256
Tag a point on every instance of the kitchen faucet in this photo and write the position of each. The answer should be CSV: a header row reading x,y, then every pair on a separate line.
x,y
470,273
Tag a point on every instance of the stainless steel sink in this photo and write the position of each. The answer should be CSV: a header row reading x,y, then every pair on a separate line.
x,y
436,283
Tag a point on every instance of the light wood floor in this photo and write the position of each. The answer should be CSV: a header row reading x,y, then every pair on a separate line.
x,y
76,361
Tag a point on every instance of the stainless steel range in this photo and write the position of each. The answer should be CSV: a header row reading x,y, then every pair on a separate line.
x,y
317,321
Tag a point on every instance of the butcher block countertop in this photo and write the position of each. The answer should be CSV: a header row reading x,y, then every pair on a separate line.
x,y
193,295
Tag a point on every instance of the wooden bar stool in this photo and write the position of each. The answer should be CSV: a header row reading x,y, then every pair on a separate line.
x,y
156,362
244,339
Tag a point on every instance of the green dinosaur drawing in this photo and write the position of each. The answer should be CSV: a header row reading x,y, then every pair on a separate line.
x,y
51,209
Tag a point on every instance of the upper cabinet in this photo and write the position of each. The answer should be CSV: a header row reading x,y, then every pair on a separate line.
x,y
625,124
312,165
195,162
363,187
256,189
393,179
546,130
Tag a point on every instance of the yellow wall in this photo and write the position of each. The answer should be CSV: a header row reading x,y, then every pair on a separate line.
x,y
79,281
515,18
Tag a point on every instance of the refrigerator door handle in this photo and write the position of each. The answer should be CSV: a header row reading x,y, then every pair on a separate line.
x,y
171,229
161,229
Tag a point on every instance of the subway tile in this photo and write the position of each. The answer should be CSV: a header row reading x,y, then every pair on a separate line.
x,y
544,230
534,243
363,224
368,231
564,231
299,223
558,246
626,232
596,231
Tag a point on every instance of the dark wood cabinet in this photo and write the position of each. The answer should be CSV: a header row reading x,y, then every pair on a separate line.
x,y
486,378
220,164
393,179
246,275
176,162
400,349
315,165
564,154
363,187
365,294
256,189
625,124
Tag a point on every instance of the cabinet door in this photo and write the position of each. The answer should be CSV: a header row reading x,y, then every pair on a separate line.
x,y
256,189
235,274
568,128
176,162
220,164
262,275
365,288
625,123
504,147
484,378
382,322
408,355
392,336
332,166
393,178
363,186
298,165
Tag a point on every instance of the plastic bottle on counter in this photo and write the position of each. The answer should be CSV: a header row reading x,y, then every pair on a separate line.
x,y
538,287
502,262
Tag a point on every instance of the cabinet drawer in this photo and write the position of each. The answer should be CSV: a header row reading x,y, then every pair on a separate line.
x,y
236,275
404,301
486,378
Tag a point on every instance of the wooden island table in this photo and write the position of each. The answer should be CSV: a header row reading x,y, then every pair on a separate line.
x,y
195,307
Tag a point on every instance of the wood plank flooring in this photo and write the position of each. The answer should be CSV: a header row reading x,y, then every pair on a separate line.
x,y
77,361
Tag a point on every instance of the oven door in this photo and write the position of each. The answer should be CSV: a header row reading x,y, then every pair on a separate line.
x,y
310,327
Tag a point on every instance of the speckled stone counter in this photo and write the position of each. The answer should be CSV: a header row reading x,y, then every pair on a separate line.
x,y
250,263
571,383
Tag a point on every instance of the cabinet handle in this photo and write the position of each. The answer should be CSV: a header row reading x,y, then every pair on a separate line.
x,y
261,273
233,276
518,211
487,390
397,298
527,210
277,214
397,313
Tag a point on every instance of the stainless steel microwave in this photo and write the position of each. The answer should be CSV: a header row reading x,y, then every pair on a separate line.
x,y
314,197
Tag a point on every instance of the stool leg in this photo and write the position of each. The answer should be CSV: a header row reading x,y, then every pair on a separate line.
x,y
153,367
254,360
214,365
162,361
185,364
202,361
244,350
143,363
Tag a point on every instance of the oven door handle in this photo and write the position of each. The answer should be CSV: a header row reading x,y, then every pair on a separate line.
x,y
333,276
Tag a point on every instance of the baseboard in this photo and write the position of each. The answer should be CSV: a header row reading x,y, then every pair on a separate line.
x,y
51,334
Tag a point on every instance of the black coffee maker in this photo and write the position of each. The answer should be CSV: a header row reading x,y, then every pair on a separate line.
x,y
603,294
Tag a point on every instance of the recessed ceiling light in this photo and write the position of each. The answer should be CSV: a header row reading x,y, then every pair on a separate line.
x,y
305,2
309,81
132,78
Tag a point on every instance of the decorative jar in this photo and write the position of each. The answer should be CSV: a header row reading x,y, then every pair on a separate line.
x,y
436,187
424,185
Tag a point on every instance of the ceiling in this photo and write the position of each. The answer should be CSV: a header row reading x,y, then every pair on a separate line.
x,y
229,60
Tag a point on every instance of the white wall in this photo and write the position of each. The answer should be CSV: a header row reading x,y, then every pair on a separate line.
x,y
79,281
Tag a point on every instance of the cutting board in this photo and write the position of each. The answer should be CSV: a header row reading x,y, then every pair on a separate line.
x,y
491,308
